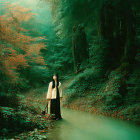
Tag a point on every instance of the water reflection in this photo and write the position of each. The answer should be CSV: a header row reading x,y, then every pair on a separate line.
x,y
77,125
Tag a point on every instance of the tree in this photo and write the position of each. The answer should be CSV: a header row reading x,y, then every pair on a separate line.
x,y
18,50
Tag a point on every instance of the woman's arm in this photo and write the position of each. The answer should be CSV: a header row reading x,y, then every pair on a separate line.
x,y
49,93
60,90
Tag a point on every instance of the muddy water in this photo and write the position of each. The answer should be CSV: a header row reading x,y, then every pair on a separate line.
x,y
78,125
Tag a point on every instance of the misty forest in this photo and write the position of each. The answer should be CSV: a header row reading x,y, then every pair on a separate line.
x,y
94,46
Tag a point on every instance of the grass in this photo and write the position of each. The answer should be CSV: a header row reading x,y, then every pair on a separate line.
x,y
21,118
88,91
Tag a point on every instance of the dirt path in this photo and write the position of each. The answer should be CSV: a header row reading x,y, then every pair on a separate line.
x,y
78,125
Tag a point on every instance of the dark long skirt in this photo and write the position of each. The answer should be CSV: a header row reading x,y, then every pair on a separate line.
x,y
55,107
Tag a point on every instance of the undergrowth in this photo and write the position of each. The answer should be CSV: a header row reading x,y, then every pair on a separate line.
x,y
91,92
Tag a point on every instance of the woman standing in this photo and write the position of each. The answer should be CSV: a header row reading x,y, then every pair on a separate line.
x,y
54,95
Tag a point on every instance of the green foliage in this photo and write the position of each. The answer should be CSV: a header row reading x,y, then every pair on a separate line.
x,y
25,117
37,75
111,95
22,45
112,32
133,84
98,54
59,59
131,112
9,100
90,79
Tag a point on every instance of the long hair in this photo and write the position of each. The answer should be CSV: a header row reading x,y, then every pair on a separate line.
x,y
57,81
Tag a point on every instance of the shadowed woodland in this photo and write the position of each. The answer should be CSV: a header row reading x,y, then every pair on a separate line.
x,y
94,45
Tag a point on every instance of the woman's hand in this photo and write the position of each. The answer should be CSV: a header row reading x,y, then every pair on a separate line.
x,y
61,98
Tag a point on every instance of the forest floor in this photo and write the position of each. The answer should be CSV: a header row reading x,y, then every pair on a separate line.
x,y
26,121
28,116
94,104
78,123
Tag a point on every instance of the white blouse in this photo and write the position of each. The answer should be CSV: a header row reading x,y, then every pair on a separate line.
x,y
51,94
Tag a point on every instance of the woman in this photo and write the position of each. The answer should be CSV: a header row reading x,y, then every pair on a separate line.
x,y
54,95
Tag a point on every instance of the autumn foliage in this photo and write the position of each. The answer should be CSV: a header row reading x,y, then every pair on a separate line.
x,y
17,48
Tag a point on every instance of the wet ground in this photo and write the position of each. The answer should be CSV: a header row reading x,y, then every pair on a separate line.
x,y
78,125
